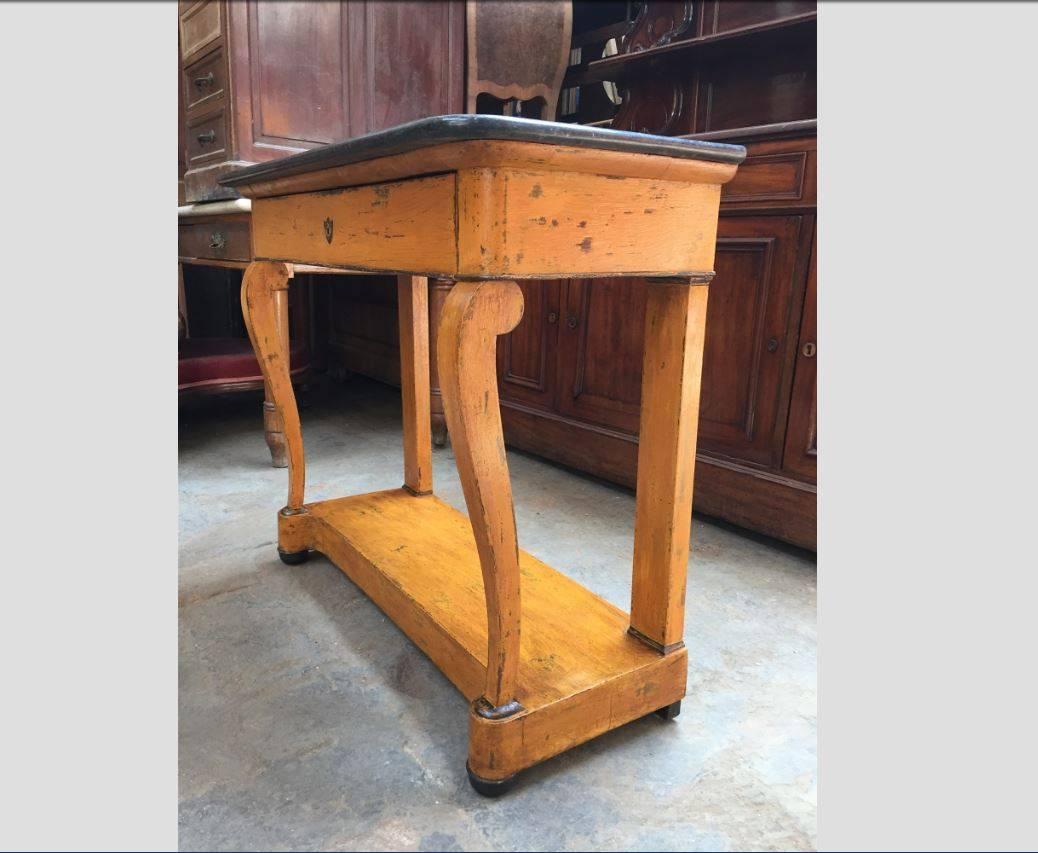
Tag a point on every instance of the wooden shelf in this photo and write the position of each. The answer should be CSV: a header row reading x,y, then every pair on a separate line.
x,y
770,35
759,132
416,558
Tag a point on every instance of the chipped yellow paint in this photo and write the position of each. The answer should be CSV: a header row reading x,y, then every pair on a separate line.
x,y
521,223
407,226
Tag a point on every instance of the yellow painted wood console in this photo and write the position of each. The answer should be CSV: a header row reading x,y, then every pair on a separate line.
x,y
545,663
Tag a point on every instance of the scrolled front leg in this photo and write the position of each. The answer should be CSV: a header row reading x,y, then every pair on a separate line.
x,y
264,294
474,314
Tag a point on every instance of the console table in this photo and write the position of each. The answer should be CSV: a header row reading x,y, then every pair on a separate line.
x,y
485,200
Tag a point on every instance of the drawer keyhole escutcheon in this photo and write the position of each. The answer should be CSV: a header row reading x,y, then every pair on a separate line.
x,y
328,226
809,350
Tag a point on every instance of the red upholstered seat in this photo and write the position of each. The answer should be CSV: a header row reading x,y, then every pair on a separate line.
x,y
213,361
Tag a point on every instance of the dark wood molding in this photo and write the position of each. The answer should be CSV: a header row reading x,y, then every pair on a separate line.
x,y
761,132
771,35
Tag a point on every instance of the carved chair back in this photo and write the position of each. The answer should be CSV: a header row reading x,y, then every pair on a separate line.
x,y
518,50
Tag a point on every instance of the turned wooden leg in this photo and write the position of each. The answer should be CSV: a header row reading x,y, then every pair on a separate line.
x,y
474,314
438,290
274,430
675,321
273,425
439,424
264,286
183,329
413,300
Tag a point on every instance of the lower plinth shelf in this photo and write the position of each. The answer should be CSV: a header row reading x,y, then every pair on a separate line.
x,y
580,672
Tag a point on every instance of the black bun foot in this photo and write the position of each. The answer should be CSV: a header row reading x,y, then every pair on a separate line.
x,y
669,712
293,558
490,787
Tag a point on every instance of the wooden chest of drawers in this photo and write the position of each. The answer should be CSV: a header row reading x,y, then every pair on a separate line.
x,y
220,232
261,80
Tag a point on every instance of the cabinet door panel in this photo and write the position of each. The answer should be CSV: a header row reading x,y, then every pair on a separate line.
x,y
750,330
801,454
298,82
526,357
406,61
601,340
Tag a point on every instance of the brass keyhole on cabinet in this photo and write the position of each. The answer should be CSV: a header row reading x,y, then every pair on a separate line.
x,y
553,317
809,350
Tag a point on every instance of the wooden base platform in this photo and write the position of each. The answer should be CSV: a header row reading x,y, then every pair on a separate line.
x,y
580,672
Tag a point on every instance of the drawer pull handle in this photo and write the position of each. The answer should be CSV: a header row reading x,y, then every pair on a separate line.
x,y
205,82
207,137
217,240
809,350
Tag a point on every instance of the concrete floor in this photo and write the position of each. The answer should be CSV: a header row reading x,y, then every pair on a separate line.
x,y
309,722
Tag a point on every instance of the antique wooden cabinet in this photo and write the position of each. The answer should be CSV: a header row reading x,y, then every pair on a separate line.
x,y
261,80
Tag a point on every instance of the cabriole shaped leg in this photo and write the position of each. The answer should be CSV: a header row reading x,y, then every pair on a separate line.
x,y
264,297
474,314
